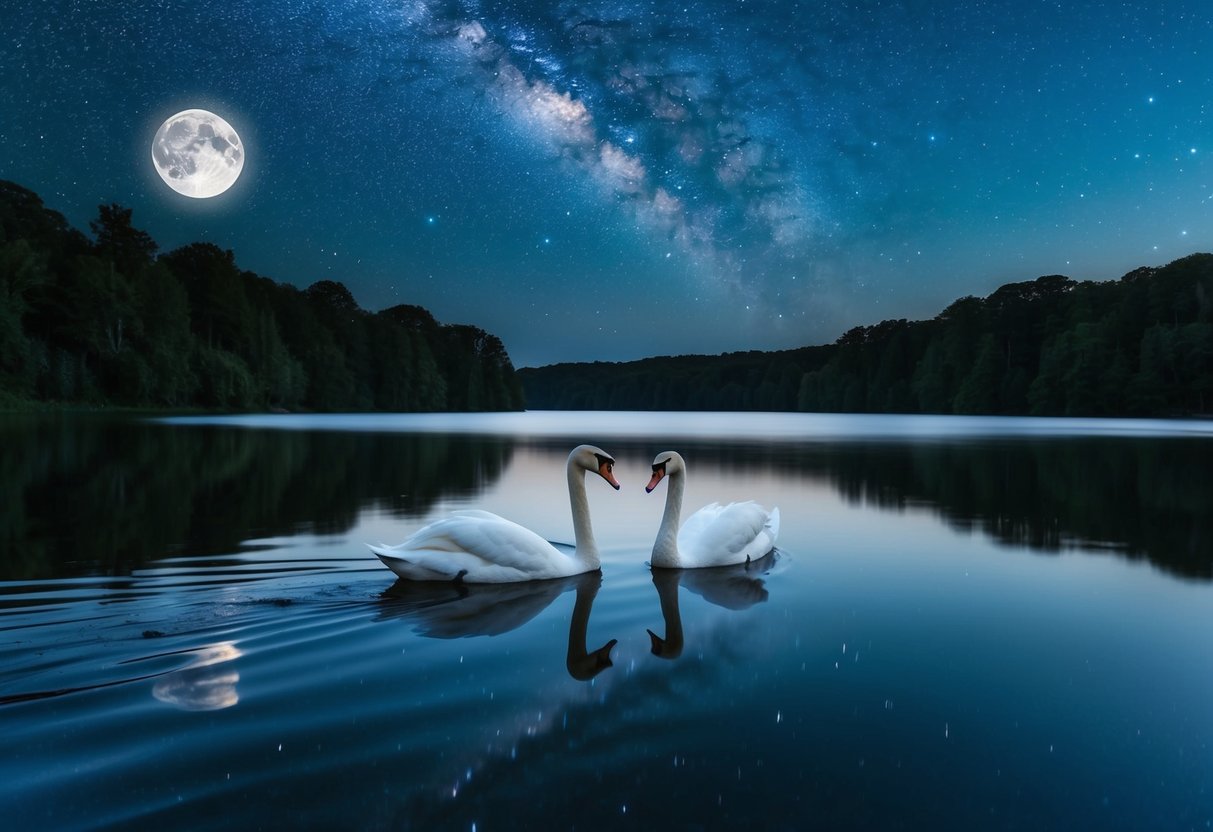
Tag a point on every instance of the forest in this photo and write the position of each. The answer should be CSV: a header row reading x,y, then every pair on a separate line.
x,y
1138,346
110,321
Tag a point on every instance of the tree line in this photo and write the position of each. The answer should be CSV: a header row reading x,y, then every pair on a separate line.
x,y
1138,346
109,321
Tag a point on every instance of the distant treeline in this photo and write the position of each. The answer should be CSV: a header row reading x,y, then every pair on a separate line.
x,y
1141,345
109,322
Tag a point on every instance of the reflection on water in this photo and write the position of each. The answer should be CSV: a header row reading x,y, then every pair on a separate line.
x,y
90,495
440,609
1132,497
581,663
736,587
95,495
457,610
761,427
890,669
205,684
1139,498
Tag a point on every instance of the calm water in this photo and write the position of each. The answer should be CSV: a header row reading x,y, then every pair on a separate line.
x,y
970,624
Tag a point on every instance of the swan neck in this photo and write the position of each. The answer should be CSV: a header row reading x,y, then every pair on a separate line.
x,y
665,547
583,533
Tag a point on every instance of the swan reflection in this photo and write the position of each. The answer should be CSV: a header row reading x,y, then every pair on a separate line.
x,y
452,610
584,665
204,684
732,587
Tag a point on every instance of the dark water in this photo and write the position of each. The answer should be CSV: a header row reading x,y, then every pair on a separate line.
x,y
970,624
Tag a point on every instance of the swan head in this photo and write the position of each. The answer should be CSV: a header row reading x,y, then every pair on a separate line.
x,y
664,648
665,464
594,459
584,668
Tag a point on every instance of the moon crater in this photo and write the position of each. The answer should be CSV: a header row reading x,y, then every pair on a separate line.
x,y
197,153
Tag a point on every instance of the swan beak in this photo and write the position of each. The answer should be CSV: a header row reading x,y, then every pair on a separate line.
x,y
602,656
604,471
657,475
658,644
662,647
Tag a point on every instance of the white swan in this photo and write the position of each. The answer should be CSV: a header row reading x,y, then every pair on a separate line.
x,y
715,535
481,547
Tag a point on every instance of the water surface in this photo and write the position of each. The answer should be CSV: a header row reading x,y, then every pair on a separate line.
x,y
970,623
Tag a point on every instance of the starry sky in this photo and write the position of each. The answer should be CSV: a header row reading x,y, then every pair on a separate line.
x,y
608,180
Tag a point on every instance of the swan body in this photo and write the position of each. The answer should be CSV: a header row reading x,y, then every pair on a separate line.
x,y
482,547
715,535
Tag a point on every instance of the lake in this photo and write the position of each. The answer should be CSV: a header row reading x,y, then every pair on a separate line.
x,y
969,623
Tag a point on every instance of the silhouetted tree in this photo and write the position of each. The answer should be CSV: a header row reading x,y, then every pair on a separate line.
x,y
1050,346
106,322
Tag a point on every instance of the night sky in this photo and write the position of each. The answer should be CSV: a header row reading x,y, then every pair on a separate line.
x,y
611,180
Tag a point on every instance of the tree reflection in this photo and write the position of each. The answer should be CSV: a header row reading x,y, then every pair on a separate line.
x,y
736,587
95,495
1144,498
83,494
1135,498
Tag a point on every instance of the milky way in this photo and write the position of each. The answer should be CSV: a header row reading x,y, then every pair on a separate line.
x,y
606,180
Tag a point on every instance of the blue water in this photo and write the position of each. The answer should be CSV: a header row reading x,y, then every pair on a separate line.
x,y
970,623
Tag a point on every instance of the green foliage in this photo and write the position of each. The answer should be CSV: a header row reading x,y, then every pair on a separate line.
x,y
106,322
224,379
21,271
118,241
1142,345
165,339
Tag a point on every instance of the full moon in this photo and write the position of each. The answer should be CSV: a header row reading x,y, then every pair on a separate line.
x,y
197,154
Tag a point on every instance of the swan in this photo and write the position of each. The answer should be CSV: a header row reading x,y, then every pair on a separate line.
x,y
481,547
715,535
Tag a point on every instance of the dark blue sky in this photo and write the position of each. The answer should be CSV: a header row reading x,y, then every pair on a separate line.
x,y
610,180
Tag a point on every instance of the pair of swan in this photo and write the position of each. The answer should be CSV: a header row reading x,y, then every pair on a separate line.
x,y
481,547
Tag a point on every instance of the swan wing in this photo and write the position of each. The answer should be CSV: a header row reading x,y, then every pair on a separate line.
x,y
694,527
718,535
475,512
476,547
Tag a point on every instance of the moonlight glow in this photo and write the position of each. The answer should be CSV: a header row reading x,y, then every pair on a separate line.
x,y
197,154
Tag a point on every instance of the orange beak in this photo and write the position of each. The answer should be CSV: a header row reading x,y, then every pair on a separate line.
x,y
604,471
657,475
